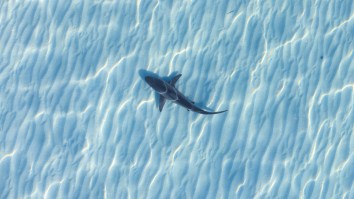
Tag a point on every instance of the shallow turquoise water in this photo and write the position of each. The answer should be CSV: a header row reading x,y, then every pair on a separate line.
x,y
78,121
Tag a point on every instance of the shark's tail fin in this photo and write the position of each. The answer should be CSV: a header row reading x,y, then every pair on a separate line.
x,y
209,113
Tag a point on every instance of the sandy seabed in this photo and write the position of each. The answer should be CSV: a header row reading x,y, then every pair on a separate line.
x,y
78,121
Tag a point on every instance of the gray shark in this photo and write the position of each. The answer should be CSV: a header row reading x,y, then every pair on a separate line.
x,y
168,91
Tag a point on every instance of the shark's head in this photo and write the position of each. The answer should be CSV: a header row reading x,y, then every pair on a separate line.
x,y
157,84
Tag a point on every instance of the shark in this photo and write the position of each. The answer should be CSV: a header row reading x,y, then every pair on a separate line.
x,y
168,91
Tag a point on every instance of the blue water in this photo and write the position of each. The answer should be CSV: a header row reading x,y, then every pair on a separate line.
x,y
78,121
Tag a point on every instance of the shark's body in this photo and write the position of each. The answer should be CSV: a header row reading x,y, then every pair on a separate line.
x,y
168,91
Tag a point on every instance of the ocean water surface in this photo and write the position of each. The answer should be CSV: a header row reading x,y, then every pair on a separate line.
x,y
77,120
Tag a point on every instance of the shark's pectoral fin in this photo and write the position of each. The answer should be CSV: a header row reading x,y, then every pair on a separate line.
x,y
162,102
174,80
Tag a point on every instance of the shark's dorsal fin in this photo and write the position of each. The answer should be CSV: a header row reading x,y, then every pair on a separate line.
x,y
174,80
162,102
